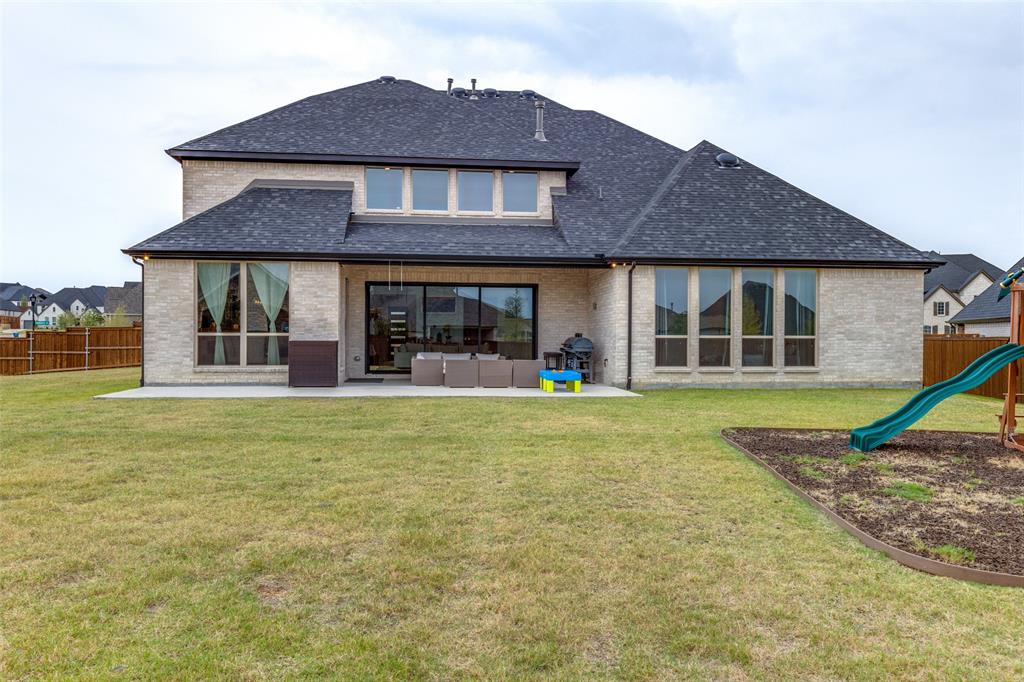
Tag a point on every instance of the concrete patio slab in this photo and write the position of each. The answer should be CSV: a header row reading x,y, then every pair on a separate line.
x,y
388,389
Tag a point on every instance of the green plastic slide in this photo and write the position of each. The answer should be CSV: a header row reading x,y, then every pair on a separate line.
x,y
869,437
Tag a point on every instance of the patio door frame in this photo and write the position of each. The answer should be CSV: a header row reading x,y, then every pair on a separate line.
x,y
481,285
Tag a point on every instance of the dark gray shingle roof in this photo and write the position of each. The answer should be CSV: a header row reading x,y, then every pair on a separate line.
x,y
92,296
985,306
270,219
400,119
263,219
958,271
703,211
633,196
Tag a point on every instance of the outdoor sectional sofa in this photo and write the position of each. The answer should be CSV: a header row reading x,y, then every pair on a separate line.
x,y
465,370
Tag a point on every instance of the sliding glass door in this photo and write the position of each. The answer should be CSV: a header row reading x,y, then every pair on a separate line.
x,y
403,320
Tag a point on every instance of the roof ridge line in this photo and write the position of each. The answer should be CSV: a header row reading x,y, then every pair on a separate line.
x,y
265,113
663,189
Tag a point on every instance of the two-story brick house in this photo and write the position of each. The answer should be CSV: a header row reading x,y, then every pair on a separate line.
x,y
392,218
950,287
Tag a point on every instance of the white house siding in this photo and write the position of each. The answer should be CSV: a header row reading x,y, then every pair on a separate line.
x,y
940,321
208,183
988,328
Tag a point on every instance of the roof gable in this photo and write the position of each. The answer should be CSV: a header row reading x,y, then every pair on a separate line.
x,y
958,271
986,305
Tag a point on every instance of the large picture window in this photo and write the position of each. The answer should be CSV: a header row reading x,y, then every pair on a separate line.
x,y
758,313
242,313
476,191
519,191
384,189
429,190
801,322
403,320
671,303
715,317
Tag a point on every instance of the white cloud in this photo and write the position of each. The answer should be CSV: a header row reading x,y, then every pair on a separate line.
x,y
906,115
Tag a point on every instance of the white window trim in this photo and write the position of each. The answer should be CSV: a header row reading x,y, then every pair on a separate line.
x,y
770,337
672,368
366,191
447,197
497,193
731,365
242,332
817,308
518,214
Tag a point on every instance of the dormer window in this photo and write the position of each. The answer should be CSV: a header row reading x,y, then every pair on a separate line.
x,y
519,192
456,192
476,191
429,190
384,189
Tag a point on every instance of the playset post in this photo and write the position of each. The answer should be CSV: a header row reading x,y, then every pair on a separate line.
x,y
1008,419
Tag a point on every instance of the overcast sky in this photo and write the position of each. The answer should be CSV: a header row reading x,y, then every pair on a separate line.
x,y
909,116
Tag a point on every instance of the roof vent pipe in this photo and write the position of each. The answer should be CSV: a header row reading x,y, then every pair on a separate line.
x,y
472,91
539,135
450,81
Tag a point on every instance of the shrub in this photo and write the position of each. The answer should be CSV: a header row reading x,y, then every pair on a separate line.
x,y
91,318
118,318
67,319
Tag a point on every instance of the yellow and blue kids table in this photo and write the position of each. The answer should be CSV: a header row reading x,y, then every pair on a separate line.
x,y
550,377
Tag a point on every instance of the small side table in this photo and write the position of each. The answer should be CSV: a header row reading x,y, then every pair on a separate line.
x,y
550,377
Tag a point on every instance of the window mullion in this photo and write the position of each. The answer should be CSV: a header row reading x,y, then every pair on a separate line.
x,y
243,354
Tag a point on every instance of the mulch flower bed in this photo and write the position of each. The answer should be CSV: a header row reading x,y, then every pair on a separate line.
x,y
953,497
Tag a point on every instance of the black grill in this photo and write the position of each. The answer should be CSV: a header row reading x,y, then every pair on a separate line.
x,y
577,352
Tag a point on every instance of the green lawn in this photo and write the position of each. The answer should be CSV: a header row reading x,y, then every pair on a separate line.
x,y
453,538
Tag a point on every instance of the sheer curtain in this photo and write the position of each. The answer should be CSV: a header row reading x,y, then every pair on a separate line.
x,y
214,279
271,280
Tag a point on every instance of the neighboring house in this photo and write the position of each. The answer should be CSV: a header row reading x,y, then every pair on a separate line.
x,y
14,292
74,299
10,313
953,285
127,298
985,315
390,218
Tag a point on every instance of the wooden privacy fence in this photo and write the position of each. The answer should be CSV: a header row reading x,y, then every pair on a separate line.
x,y
76,348
947,356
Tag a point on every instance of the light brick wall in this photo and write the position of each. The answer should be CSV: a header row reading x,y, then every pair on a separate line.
x,y
974,288
314,310
869,329
988,328
608,323
562,296
208,183
869,334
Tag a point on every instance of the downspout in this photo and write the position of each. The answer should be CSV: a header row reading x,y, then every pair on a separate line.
x,y
629,328
142,331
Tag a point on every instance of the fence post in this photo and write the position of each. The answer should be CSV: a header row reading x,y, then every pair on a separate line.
x,y
87,349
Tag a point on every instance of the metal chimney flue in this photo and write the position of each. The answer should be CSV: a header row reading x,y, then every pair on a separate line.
x,y
450,81
539,135
472,91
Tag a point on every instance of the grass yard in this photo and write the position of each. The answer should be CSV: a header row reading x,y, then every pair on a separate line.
x,y
454,538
